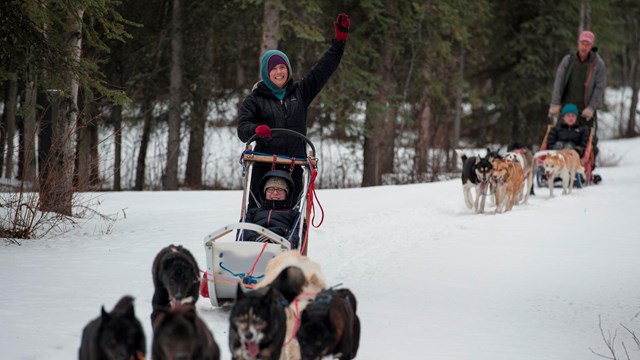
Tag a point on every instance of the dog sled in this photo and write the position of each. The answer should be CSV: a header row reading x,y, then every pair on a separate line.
x,y
587,161
230,259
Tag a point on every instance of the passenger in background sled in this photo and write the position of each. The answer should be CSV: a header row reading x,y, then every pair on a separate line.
x,y
274,212
569,134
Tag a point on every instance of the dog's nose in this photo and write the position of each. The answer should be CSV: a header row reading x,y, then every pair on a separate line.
x,y
248,335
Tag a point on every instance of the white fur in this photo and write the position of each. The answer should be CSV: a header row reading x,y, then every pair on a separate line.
x,y
316,282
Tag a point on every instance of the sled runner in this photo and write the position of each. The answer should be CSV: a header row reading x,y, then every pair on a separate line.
x,y
232,260
587,161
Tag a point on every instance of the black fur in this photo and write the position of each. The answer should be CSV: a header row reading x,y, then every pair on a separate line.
x,y
257,324
515,146
290,282
475,169
178,333
117,335
175,278
330,326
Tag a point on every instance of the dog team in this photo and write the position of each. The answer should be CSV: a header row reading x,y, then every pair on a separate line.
x,y
508,179
291,314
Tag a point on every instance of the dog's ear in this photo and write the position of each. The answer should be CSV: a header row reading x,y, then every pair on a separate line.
x,y
477,160
104,314
130,312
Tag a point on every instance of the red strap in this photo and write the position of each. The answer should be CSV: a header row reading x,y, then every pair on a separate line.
x,y
257,259
273,162
293,165
311,194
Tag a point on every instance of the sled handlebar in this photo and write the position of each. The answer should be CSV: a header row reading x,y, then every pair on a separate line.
x,y
276,131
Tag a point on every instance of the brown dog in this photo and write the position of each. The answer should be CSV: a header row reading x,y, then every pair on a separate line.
x,y
524,158
508,179
178,333
564,164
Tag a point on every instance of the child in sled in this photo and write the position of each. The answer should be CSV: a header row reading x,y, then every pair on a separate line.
x,y
275,212
569,134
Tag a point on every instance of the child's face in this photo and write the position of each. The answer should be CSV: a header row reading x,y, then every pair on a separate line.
x,y
273,193
570,118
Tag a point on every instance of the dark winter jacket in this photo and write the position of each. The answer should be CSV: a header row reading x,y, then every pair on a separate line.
x,y
275,215
263,107
275,219
564,136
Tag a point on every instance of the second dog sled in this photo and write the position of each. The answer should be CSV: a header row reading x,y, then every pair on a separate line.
x,y
232,261
587,161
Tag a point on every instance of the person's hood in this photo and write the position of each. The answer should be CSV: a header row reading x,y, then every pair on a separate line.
x,y
264,74
287,202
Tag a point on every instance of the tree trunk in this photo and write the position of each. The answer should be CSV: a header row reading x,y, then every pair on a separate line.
x,y
585,18
27,157
633,110
83,146
201,97
94,176
458,110
633,54
380,128
116,116
270,27
423,143
9,125
144,143
56,187
170,178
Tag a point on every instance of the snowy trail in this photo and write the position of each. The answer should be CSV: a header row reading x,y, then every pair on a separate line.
x,y
432,279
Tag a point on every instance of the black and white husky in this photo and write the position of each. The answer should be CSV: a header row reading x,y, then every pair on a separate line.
x,y
476,174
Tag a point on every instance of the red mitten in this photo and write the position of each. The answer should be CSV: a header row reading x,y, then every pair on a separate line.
x,y
341,26
263,131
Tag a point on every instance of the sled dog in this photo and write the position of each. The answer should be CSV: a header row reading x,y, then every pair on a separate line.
x,y
299,279
509,181
476,174
114,335
330,326
178,333
175,278
564,164
257,324
520,154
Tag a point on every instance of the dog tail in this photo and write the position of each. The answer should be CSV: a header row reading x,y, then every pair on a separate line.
x,y
461,154
290,282
124,305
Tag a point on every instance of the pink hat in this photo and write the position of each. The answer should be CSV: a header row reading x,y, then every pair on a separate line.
x,y
587,36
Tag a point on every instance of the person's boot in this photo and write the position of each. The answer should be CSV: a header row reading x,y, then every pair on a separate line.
x,y
597,179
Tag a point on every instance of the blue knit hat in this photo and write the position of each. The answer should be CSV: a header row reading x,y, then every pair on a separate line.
x,y
570,108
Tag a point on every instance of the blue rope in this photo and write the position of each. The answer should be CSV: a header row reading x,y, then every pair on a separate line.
x,y
251,280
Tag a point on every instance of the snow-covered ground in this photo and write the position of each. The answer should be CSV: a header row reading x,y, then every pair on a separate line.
x,y
433,280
